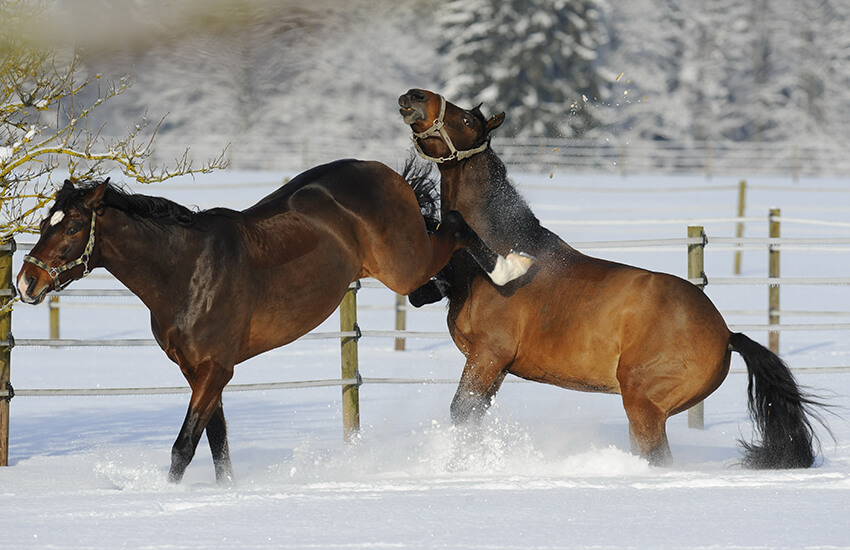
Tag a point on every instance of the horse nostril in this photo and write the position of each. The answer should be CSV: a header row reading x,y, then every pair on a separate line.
x,y
24,284
417,95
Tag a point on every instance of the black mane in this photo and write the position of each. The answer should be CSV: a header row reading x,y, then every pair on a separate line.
x,y
508,214
508,210
426,187
156,209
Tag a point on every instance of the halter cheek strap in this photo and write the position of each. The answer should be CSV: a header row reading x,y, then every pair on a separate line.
x,y
438,129
83,260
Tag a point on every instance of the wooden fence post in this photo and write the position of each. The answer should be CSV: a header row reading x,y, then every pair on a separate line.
x,y
696,270
773,290
348,351
53,306
400,319
6,252
739,227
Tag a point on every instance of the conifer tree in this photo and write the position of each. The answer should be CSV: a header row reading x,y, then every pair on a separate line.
x,y
539,60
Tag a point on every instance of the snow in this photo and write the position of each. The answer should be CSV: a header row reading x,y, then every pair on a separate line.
x,y
548,469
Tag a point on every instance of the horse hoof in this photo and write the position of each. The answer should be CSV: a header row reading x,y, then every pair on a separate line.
x,y
512,266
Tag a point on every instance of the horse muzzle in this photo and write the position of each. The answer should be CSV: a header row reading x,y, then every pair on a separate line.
x,y
28,288
413,106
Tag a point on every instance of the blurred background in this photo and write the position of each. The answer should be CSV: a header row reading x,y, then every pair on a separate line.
x,y
715,87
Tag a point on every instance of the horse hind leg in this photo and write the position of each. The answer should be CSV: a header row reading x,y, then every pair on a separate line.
x,y
648,432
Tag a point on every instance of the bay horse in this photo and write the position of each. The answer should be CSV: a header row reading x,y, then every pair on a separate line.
x,y
223,286
584,323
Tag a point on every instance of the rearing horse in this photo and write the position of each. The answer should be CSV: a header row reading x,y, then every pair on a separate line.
x,y
223,286
584,323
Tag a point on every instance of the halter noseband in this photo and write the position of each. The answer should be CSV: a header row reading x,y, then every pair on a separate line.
x,y
438,128
83,260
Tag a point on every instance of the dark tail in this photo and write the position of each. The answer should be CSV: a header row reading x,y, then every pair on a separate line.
x,y
426,186
779,409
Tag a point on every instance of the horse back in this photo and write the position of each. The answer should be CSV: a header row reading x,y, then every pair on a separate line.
x,y
365,206
291,221
351,184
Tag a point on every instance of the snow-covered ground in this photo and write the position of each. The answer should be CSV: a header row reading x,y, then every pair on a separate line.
x,y
549,468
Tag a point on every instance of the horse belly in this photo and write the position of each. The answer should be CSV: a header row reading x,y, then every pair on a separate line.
x,y
569,361
547,338
295,299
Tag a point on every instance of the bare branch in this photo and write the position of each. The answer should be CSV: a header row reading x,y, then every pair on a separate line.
x,y
44,126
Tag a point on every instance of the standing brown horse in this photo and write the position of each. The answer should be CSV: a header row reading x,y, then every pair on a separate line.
x,y
223,286
583,323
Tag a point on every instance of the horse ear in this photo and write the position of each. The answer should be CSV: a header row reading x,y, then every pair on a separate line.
x,y
94,198
67,186
495,122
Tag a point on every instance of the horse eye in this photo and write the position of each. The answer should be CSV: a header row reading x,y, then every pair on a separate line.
x,y
71,231
467,120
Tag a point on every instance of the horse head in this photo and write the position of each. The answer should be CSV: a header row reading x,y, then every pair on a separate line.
x,y
66,246
442,131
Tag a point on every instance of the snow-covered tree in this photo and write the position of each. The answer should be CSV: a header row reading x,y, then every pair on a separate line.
x,y
318,72
648,57
539,60
820,46
674,60
305,72
766,71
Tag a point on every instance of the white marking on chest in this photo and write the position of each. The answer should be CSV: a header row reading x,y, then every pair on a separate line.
x,y
57,217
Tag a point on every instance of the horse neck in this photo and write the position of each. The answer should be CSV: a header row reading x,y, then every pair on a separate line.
x,y
463,185
477,187
137,253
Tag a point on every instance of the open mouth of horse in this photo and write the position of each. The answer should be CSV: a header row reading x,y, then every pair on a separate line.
x,y
411,115
412,111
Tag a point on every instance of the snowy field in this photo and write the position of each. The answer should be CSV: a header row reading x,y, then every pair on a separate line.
x,y
549,469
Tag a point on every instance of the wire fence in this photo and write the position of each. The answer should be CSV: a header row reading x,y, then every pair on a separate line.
x,y
646,244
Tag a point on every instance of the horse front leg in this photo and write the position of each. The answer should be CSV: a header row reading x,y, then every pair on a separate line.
x,y
500,269
207,382
184,446
434,290
475,394
480,381
217,437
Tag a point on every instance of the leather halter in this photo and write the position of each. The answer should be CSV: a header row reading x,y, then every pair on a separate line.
x,y
438,128
83,260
